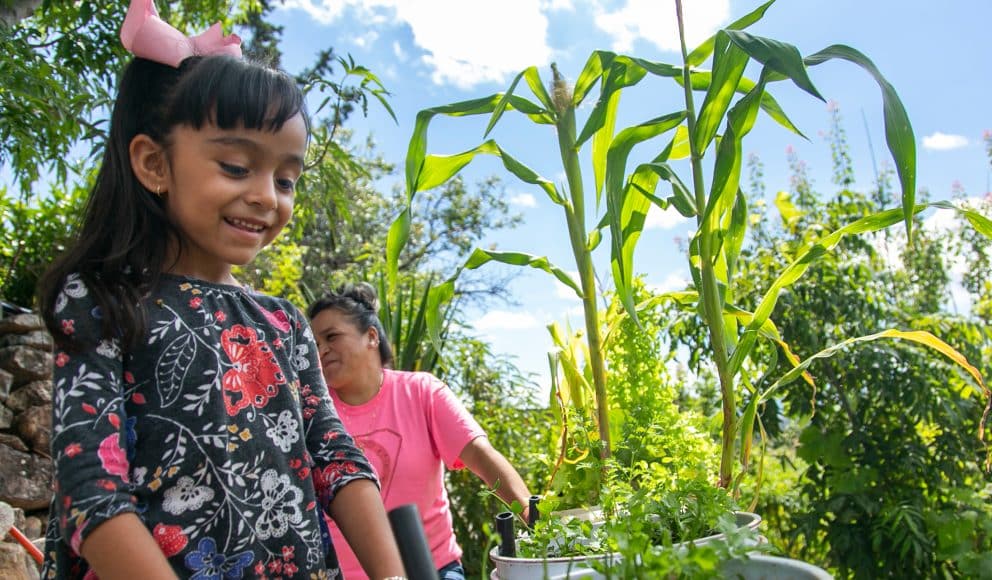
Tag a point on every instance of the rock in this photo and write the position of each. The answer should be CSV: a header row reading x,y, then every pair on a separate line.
x,y
30,395
21,324
31,527
6,419
25,480
12,441
6,518
12,564
39,339
34,425
26,363
6,381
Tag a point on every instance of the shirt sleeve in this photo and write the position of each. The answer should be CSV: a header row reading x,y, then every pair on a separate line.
x,y
88,437
336,459
452,426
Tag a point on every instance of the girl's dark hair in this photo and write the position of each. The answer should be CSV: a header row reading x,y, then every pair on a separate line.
x,y
123,237
360,303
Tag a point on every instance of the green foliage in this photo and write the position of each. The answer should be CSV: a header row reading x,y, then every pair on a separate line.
x,y
888,453
60,67
31,235
503,403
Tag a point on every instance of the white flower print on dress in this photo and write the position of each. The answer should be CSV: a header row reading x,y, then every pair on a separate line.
x,y
300,360
280,505
285,432
186,496
73,288
109,349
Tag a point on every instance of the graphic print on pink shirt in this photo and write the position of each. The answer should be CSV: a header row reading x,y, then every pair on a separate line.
x,y
379,446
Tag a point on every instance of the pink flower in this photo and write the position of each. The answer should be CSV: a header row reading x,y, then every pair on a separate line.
x,y
220,316
73,449
195,302
68,326
61,359
112,457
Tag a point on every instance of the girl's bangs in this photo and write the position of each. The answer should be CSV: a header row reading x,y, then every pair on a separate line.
x,y
231,93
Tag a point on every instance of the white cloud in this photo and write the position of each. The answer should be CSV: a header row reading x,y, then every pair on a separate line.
x,y
463,45
367,39
655,22
663,219
556,5
672,282
504,320
399,52
944,142
524,199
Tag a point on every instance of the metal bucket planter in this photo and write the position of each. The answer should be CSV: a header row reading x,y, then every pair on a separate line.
x,y
762,567
507,568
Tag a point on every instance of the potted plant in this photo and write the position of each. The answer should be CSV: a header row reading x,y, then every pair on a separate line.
x,y
714,127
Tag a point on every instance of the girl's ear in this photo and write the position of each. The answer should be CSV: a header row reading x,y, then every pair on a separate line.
x,y
149,163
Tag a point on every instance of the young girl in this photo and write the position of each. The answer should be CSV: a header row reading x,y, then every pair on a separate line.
x,y
193,435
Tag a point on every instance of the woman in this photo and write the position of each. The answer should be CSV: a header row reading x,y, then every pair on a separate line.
x,y
409,424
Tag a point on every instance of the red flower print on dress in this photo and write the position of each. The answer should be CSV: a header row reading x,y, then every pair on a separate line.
x,y
195,302
219,316
279,319
128,377
170,539
256,376
73,449
112,457
68,326
61,359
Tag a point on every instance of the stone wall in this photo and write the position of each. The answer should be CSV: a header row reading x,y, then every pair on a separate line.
x,y
25,433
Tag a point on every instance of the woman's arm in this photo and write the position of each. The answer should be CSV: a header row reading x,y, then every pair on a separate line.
x,y
121,547
357,510
494,469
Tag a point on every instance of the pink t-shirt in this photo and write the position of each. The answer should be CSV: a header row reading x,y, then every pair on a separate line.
x,y
407,430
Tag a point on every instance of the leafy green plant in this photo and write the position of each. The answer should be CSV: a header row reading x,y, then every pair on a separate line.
x,y
721,106
32,234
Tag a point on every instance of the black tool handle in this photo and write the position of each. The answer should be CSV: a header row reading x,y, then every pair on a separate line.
x,y
412,541
504,527
533,514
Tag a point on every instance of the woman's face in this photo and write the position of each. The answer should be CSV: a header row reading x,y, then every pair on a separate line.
x,y
347,355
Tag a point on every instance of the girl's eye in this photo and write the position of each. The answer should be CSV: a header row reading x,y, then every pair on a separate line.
x,y
286,184
233,170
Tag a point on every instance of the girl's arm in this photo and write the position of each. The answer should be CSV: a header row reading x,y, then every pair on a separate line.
x,y
357,510
121,547
494,469
341,469
88,446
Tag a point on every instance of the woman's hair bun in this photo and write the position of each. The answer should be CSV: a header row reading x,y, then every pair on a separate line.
x,y
363,293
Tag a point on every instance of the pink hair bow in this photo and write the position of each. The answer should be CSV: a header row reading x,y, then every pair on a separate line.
x,y
146,35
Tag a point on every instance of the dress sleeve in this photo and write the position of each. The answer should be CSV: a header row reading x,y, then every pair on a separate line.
x,y
337,461
88,436
450,423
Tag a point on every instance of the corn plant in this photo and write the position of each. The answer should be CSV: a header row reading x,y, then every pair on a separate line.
x,y
729,99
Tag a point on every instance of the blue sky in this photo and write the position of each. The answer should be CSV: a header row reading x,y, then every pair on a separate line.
x,y
429,53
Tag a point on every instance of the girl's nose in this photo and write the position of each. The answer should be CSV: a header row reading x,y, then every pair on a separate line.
x,y
263,193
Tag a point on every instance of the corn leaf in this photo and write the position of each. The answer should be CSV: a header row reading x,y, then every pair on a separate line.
x,y
728,68
898,129
699,54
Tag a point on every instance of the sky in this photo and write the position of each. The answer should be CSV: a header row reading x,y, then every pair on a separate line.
x,y
435,52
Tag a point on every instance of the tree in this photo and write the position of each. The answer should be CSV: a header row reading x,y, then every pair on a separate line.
x,y
895,485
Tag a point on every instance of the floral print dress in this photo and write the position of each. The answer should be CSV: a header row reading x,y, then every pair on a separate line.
x,y
217,432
